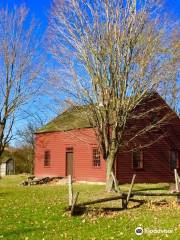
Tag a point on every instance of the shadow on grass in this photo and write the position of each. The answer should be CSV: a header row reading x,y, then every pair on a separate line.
x,y
3,194
80,210
20,231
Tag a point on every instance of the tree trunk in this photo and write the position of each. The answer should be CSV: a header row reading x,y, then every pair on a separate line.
x,y
109,169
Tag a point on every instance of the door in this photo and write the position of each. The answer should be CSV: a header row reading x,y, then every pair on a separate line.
x,y
69,161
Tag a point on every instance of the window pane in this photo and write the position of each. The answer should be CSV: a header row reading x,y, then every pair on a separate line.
x,y
173,159
96,157
137,159
47,158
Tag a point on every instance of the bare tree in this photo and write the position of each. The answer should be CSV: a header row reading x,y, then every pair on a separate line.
x,y
172,89
20,66
112,56
26,138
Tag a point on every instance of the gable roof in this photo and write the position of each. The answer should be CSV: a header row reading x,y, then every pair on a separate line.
x,y
73,118
76,118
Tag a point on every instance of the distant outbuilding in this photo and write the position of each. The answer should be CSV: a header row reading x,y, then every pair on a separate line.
x,y
7,166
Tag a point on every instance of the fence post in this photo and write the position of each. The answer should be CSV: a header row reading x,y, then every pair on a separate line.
x,y
177,184
70,190
131,186
74,203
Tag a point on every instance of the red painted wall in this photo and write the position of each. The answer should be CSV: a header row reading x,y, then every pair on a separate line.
x,y
82,141
156,166
155,158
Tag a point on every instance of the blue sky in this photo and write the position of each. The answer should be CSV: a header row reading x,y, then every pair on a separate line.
x,y
40,8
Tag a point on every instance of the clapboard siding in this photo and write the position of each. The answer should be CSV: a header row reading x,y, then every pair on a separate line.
x,y
156,158
82,142
156,166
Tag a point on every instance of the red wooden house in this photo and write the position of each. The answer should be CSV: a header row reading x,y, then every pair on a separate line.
x,y
67,145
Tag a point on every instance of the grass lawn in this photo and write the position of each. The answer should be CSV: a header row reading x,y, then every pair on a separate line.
x,y
38,213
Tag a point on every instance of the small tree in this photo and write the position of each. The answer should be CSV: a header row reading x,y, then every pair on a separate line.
x,y
112,55
20,65
26,137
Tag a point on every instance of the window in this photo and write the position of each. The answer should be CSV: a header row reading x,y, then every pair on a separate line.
x,y
69,149
173,159
96,157
47,158
137,159
154,118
